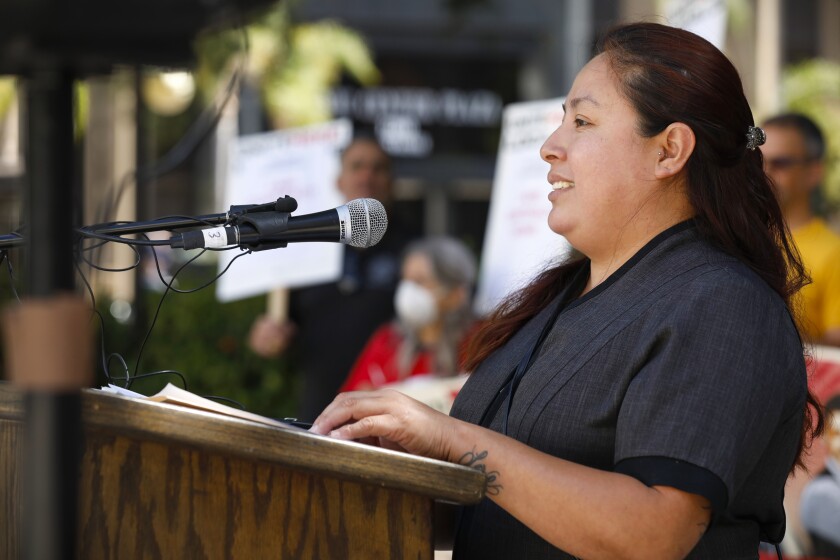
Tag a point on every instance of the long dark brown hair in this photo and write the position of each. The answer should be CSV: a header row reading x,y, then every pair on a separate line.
x,y
670,75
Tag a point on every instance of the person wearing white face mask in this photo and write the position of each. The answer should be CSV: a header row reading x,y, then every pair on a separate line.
x,y
433,307
416,305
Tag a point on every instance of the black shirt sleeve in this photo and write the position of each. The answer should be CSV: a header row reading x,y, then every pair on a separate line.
x,y
664,471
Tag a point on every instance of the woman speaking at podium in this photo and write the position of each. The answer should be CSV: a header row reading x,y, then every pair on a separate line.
x,y
647,398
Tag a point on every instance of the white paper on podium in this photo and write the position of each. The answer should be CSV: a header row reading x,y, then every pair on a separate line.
x,y
518,243
304,164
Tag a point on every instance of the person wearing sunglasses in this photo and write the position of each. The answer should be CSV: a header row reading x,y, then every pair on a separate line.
x,y
794,159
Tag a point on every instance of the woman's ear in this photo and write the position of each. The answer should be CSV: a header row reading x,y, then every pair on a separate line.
x,y
675,145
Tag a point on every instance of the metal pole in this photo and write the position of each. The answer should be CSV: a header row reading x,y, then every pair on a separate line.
x,y
52,430
768,57
577,38
143,189
51,193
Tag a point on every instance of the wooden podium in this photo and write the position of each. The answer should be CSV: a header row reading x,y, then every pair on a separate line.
x,y
165,481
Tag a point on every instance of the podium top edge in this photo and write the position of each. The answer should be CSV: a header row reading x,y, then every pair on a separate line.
x,y
142,420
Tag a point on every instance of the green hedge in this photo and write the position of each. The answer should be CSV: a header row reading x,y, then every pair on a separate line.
x,y
199,337
206,341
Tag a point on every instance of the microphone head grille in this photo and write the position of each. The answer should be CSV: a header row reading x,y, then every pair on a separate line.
x,y
368,222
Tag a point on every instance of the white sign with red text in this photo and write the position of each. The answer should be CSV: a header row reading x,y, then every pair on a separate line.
x,y
518,243
304,164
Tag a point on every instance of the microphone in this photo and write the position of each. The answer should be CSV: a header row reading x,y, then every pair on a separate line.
x,y
359,223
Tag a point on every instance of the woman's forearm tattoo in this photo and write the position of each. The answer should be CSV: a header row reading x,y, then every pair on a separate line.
x,y
476,461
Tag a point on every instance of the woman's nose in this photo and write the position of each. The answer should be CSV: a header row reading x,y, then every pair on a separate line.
x,y
552,149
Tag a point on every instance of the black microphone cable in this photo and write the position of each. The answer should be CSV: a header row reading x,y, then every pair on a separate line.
x,y
128,376
4,256
196,134
108,358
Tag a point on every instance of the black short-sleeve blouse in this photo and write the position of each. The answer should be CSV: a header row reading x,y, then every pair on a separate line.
x,y
682,369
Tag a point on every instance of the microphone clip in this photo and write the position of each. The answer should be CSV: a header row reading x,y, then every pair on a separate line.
x,y
257,229
283,204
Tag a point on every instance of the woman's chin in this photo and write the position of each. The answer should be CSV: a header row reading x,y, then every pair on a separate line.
x,y
558,223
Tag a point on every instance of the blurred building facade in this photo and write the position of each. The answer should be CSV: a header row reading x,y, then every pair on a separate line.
x,y
448,70
450,67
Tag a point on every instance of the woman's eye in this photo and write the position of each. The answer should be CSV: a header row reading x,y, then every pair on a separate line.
x,y
580,122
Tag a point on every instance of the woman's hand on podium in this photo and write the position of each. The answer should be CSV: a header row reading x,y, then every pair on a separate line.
x,y
389,419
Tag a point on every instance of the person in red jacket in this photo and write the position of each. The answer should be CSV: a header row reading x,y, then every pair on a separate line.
x,y
433,304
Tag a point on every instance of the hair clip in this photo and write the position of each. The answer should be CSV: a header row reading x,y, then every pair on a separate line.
x,y
755,137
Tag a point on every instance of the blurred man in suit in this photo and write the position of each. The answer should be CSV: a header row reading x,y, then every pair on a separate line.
x,y
329,323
